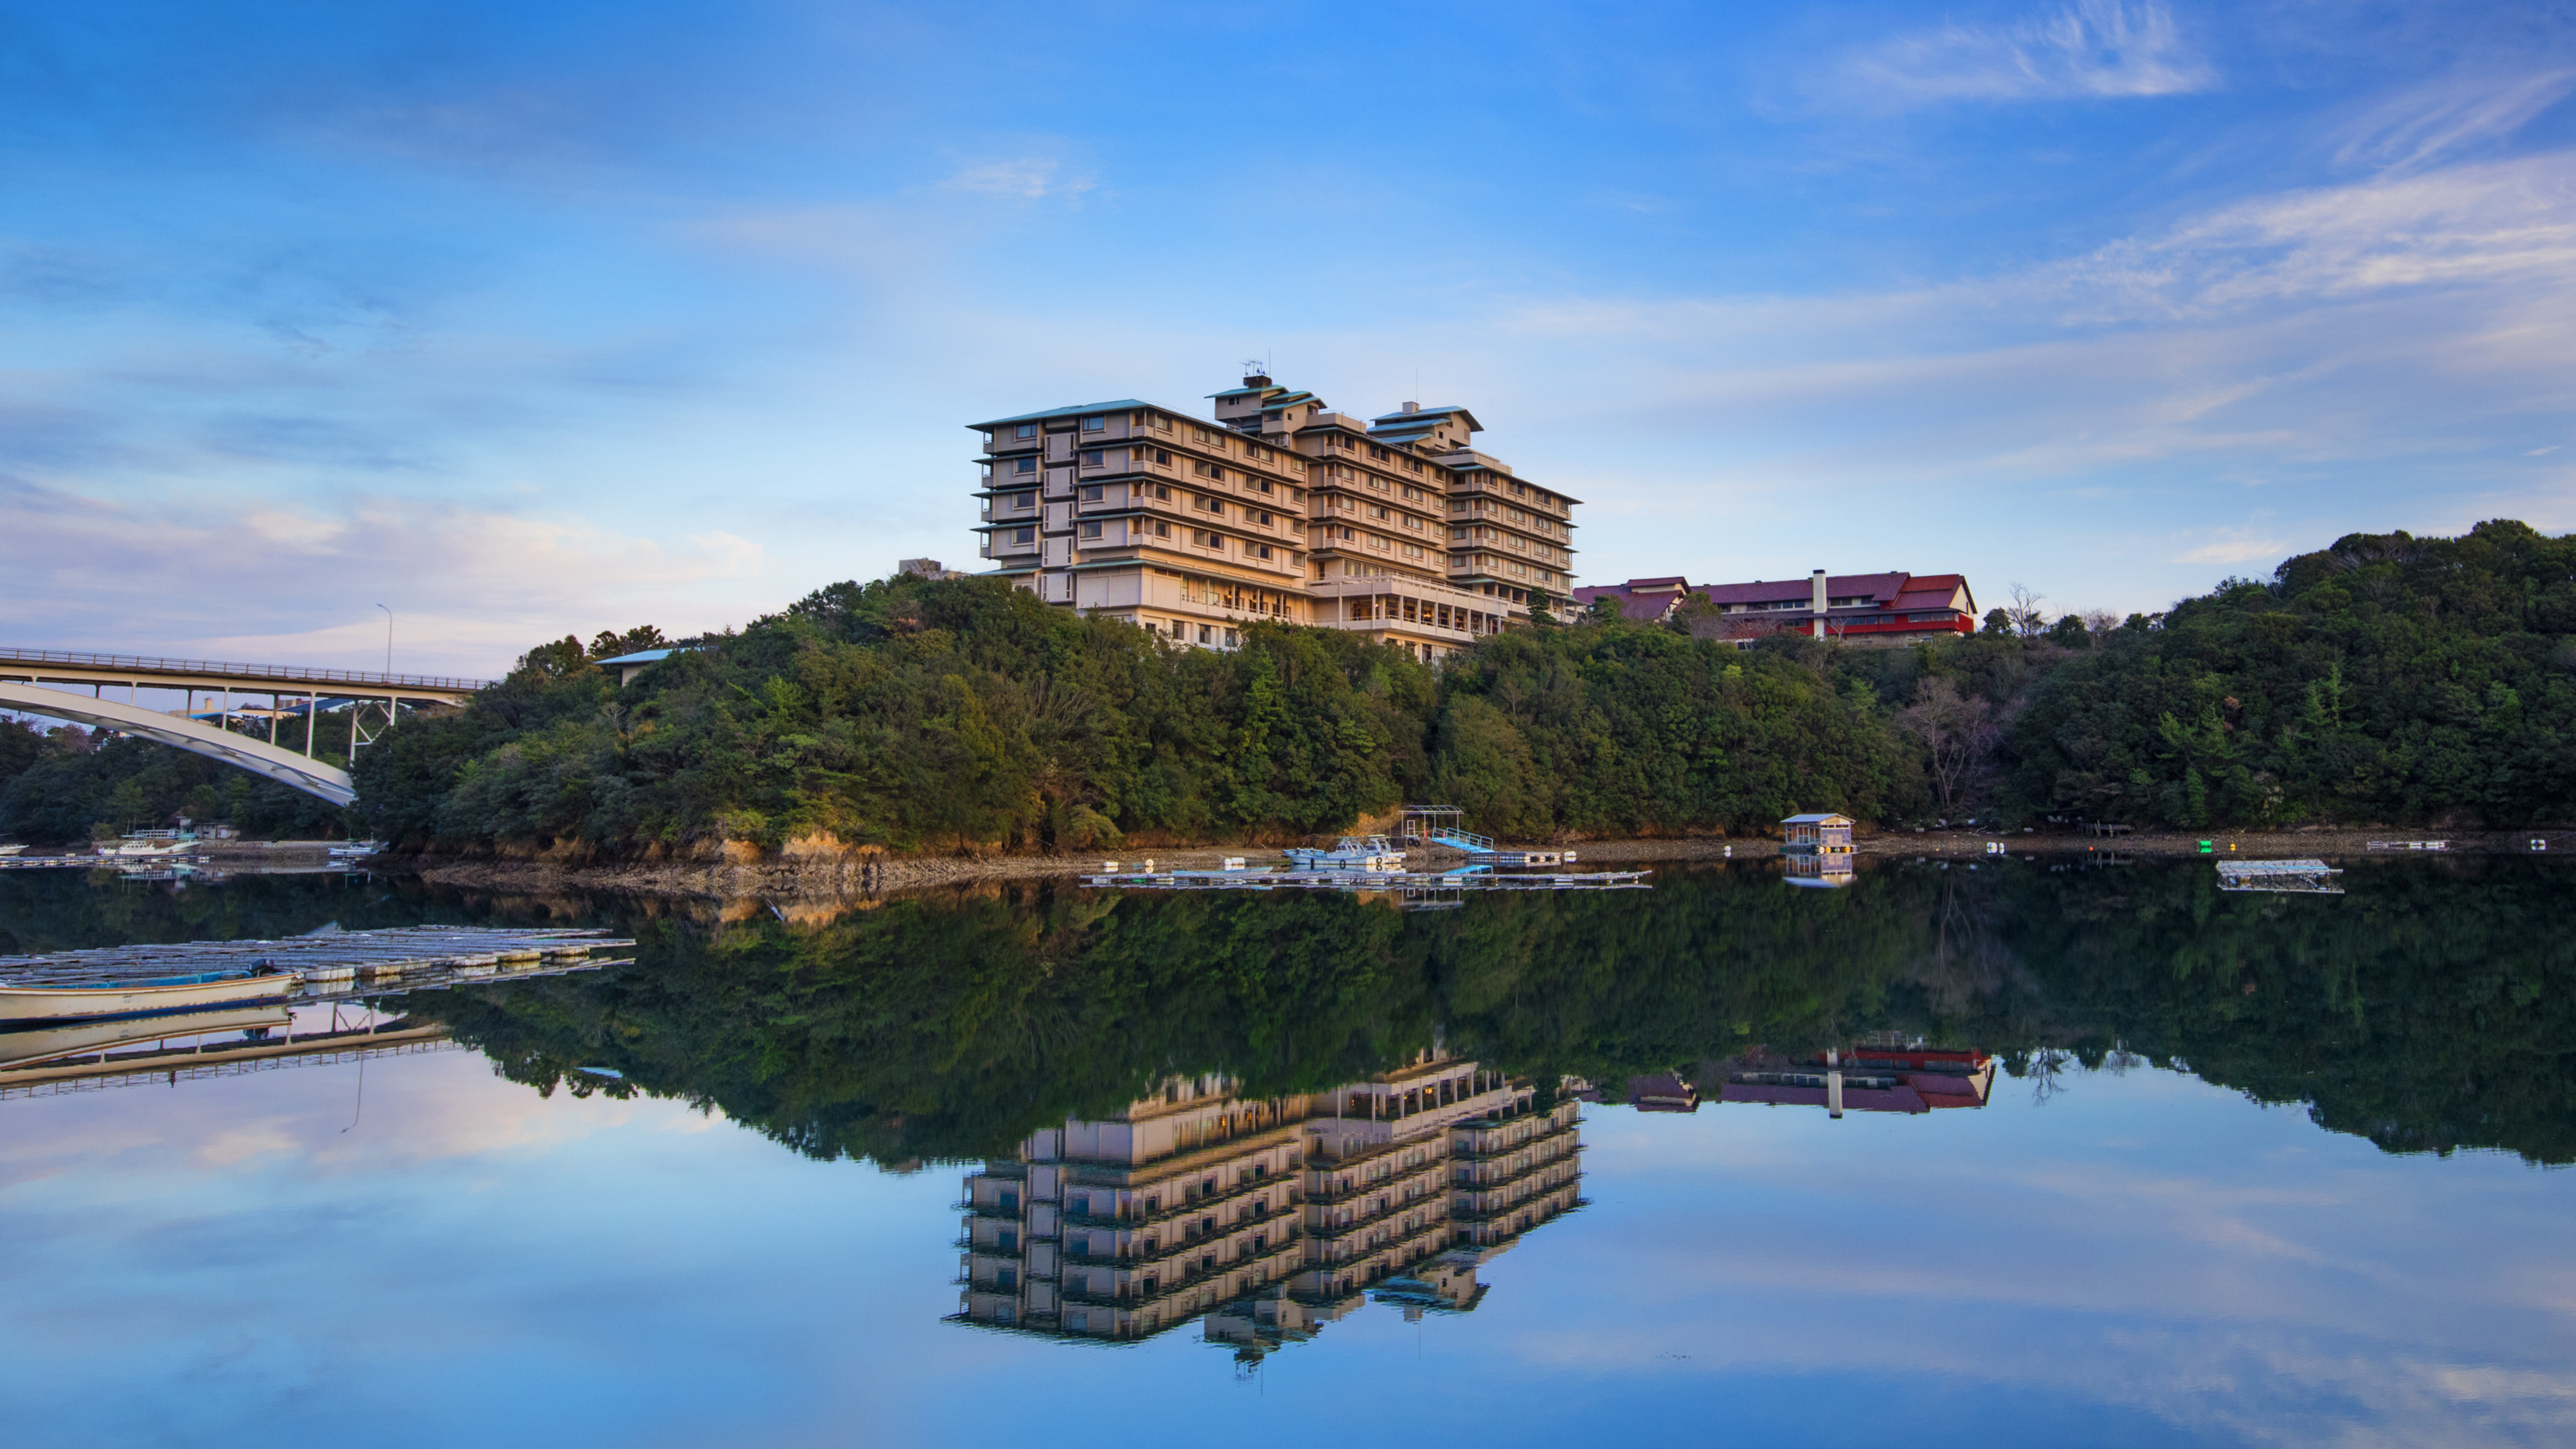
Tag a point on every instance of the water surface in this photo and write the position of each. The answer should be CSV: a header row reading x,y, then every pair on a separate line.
x,y
2238,1168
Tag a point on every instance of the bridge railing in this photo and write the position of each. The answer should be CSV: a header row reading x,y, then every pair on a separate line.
x,y
278,673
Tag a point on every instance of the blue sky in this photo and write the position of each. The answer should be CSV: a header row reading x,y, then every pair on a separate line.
x,y
523,320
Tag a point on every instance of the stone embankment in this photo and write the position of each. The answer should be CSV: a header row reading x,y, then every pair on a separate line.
x,y
740,873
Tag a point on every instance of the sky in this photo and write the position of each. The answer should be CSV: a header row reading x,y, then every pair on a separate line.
x,y
526,320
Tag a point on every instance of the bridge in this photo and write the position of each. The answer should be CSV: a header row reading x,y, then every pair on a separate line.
x,y
32,680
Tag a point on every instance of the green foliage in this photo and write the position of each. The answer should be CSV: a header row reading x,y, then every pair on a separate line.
x,y
69,783
2428,1010
2388,678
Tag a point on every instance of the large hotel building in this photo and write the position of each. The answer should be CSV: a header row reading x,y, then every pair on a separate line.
x,y
1266,1218
1279,508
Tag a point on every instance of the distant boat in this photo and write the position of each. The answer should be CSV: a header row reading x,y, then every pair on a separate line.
x,y
144,844
1352,852
11,849
145,998
353,849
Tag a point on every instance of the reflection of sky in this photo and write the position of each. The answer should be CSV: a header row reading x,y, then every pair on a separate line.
x,y
2144,1260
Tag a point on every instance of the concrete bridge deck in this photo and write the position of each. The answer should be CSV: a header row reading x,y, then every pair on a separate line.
x,y
33,681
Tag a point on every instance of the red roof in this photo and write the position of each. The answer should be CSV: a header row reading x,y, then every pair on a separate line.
x,y
1877,587
1647,600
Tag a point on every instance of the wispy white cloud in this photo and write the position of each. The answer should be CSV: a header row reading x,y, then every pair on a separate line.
x,y
2507,221
2092,48
2427,123
473,587
1028,178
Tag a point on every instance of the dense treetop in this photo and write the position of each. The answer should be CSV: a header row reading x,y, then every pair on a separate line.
x,y
2386,679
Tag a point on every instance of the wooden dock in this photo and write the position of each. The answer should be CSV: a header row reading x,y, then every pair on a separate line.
x,y
335,963
2297,877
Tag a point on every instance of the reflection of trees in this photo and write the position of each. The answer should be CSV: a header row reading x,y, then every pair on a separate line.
x,y
2429,1008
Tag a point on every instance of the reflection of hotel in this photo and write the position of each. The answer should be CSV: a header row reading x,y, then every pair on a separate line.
x,y
1884,1077
1268,1217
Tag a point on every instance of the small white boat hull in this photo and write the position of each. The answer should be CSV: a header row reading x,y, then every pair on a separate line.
x,y
50,1043
91,1003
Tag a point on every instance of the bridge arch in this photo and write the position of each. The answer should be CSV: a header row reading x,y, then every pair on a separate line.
x,y
179,732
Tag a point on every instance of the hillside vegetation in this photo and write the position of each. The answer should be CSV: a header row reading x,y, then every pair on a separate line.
x,y
2386,679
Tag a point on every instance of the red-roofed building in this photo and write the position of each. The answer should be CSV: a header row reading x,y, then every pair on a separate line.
x,y
1867,609
1883,1077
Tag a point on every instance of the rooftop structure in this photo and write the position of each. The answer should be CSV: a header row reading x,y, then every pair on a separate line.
x,y
1279,508
1867,609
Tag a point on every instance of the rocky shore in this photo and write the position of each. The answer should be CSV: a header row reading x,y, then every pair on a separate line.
x,y
818,875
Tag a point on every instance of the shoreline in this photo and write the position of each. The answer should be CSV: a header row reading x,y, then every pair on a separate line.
x,y
869,875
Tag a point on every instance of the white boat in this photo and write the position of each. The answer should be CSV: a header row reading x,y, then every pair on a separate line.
x,y
1351,852
11,849
144,848
144,998
79,1039
354,849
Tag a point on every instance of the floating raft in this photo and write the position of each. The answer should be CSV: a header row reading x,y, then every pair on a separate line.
x,y
2310,877
1474,878
405,958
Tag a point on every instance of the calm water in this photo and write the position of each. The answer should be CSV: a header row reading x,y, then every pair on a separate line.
x,y
2122,1160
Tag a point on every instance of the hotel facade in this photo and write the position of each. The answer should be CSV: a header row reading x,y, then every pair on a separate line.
x,y
1277,508
1265,1218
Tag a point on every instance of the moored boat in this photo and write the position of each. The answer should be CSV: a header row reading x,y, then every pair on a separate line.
x,y
1351,852
145,998
34,1045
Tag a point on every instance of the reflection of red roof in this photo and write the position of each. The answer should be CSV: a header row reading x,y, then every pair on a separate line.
x,y
1940,1089
1776,1096
1855,1099
1663,1092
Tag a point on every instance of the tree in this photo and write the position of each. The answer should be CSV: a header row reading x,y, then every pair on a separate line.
x,y
1958,734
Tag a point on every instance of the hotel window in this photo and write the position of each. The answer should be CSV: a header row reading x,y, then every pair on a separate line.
x,y
1457,535
1028,430
1163,456
1025,465
1346,535
1259,516
1205,539
1093,458
1205,634
1091,494
1091,530
1379,453
1162,493
1232,639
1413,465
1093,425
1212,505
1024,535
1024,501
1412,492
1412,522
1162,530
1261,550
